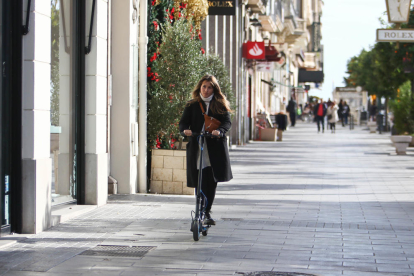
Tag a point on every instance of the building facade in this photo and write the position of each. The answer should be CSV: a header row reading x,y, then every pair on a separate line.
x,y
291,31
69,105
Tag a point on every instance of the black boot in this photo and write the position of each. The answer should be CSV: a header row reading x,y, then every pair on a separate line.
x,y
208,220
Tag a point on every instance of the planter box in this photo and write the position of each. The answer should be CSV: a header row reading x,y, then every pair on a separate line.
x,y
401,143
169,172
372,127
268,134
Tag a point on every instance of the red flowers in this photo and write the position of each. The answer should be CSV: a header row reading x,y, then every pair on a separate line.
x,y
153,2
199,36
170,14
153,76
158,146
156,26
172,142
203,51
154,57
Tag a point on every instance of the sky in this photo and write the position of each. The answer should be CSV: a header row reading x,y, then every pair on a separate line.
x,y
348,26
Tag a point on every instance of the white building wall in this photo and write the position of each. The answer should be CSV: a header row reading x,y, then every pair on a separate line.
x,y
96,186
123,113
36,163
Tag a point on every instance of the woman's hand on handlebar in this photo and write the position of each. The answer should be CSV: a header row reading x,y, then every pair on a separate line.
x,y
188,132
215,133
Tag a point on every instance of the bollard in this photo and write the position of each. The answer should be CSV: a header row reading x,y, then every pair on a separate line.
x,y
351,122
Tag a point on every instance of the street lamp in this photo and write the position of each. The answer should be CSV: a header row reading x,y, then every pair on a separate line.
x,y
398,10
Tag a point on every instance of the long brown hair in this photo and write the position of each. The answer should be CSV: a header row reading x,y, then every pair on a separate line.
x,y
220,105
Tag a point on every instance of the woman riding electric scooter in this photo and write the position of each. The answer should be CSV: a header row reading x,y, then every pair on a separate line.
x,y
215,157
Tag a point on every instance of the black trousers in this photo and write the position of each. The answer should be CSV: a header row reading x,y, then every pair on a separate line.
x,y
292,118
208,187
320,120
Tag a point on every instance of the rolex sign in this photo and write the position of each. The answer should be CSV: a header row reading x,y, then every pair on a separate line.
x,y
221,7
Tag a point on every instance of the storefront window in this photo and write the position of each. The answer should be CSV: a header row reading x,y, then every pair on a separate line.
x,y
62,109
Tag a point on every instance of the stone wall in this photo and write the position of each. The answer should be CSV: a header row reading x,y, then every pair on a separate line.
x,y
169,172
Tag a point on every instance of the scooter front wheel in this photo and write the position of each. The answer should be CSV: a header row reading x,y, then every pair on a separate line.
x,y
196,229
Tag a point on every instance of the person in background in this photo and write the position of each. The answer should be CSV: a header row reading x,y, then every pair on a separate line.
x,y
373,111
332,114
319,113
300,111
292,109
345,113
329,102
340,109
281,121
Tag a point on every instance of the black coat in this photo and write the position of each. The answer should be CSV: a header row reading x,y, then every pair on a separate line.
x,y
292,106
218,152
281,121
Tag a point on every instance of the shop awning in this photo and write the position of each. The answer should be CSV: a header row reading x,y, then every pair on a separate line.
x,y
272,54
311,76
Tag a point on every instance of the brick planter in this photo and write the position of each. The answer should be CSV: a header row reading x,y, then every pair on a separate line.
x,y
169,172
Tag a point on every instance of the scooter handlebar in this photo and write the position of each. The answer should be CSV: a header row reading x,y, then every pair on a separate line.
x,y
204,134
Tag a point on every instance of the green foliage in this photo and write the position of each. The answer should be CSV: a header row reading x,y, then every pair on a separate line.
x,y
380,70
383,71
176,62
403,110
179,69
216,67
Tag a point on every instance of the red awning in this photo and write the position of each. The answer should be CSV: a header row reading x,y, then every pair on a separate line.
x,y
272,54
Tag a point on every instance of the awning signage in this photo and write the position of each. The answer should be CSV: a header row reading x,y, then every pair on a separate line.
x,y
263,66
272,53
220,7
311,76
394,35
254,50
345,89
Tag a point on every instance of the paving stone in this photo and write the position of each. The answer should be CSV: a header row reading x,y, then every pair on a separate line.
x,y
324,204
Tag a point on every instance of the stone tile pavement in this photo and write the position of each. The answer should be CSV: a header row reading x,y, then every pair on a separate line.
x,y
321,204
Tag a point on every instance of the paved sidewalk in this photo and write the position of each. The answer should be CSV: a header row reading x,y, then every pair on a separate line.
x,y
320,204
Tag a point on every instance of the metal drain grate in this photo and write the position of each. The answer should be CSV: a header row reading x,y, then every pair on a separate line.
x,y
274,273
118,251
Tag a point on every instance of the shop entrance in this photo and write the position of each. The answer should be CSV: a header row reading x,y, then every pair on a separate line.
x,y
67,100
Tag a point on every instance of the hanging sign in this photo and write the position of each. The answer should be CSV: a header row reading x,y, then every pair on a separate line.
x,y
395,35
221,7
264,66
254,50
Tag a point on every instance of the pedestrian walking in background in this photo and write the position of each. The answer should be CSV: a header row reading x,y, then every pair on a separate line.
x,y
332,114
292,109
340,109
373,111
282,122
300,111
216,161
319,113
345,113
329,102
